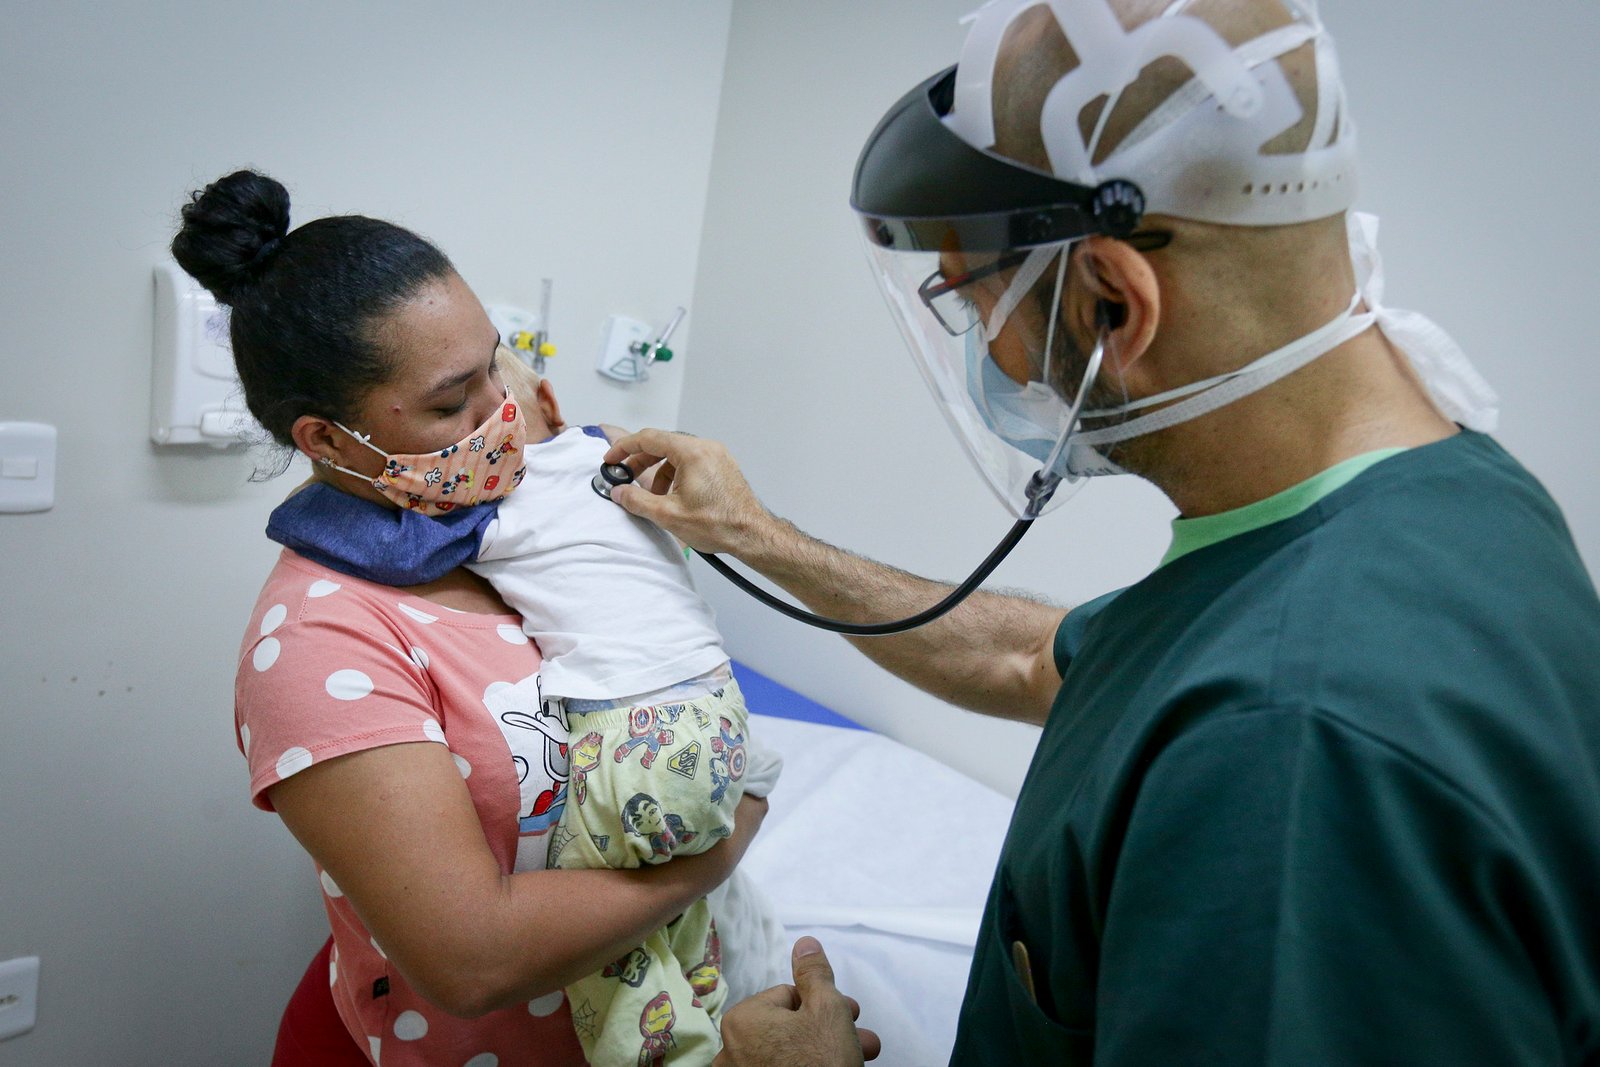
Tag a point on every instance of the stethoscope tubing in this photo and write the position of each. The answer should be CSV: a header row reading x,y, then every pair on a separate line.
x,y
616,474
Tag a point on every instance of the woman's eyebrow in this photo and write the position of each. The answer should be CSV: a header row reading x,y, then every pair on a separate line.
x,y
456,381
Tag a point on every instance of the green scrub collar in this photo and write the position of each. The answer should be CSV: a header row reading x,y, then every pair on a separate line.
x,y
1191,534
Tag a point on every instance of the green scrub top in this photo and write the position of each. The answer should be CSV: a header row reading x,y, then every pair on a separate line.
x,y
1324,791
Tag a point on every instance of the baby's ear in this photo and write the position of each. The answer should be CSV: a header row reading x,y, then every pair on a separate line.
x,y
545,397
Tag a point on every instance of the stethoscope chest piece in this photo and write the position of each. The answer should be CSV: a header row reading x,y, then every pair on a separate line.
x,y
611,474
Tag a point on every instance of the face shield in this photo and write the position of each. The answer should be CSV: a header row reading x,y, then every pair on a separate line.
x,y
974,254
974,251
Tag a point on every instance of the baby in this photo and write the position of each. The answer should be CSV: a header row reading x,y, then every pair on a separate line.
x,y
658,739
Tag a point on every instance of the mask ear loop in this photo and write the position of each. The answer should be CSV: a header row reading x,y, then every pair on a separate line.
x,y
1045,480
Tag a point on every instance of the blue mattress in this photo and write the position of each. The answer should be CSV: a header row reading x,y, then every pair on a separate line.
x,y
763,696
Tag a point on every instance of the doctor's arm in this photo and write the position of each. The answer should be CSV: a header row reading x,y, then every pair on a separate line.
x,y
395,829
993,653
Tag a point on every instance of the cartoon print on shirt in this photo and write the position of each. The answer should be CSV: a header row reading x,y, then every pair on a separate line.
x,y
537,737
642,817
655,1023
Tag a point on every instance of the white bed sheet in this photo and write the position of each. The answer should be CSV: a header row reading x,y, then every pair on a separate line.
x,y
885,856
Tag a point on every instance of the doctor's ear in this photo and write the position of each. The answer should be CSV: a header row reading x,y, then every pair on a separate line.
x,y
1123,297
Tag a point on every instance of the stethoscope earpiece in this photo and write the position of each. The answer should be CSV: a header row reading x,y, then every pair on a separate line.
x,y
611,474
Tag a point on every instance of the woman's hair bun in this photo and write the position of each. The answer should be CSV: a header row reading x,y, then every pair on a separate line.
x,y
231,231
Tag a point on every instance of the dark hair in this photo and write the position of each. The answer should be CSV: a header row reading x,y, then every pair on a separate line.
x,y
303,306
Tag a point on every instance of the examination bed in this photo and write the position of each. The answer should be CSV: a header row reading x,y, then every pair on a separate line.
x,y
881,853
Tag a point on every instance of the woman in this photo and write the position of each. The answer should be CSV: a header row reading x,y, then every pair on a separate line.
x,y
369,713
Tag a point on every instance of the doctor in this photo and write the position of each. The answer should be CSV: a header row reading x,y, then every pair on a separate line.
x,y
1325,786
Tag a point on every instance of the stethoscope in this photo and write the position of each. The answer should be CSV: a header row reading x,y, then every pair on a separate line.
x,y
1041,487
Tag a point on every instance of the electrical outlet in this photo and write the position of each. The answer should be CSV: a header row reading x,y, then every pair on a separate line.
x,y
19,995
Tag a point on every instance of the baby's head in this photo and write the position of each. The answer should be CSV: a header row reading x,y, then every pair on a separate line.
x,y
534,394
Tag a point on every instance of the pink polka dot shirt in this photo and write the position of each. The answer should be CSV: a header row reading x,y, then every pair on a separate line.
x,y
331,665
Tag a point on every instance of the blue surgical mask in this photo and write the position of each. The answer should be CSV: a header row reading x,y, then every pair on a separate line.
x,y
1028,417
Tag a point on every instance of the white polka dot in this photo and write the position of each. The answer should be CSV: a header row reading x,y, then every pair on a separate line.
x,y
420,616
545,1005
273,618
373,1043
266,653
432,732
322,587
510,634
348,685
462,765
419,657
333,967
330,887
244,735
378,948
295,760
410,1026
494,687
486,1059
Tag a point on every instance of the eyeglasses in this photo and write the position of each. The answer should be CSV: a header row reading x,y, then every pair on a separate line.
x,y
958,314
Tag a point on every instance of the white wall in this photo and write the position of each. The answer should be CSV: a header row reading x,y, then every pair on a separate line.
x,y
527,139
575,141
1479,156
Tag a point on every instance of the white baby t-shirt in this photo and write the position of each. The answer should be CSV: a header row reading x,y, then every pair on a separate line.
x,y
605,594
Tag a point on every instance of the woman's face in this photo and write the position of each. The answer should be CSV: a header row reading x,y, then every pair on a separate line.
x,y
445,383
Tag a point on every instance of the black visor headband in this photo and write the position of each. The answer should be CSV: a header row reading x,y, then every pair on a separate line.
x,y
919,187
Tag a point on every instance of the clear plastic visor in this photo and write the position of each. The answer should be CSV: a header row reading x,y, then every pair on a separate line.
x,y
977,325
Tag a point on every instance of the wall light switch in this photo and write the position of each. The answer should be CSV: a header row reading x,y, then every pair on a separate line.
x,y
27,466
19,995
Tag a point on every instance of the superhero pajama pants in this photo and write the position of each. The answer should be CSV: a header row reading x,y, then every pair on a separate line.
x,y
648,783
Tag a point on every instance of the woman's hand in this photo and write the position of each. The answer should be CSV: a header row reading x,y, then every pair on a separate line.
x,y
709,869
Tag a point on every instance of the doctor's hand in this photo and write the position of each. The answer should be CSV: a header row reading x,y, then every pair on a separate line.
x,y
695,491
808,1024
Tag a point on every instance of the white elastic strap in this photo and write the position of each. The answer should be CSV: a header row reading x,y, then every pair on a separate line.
x,y
1032,267
1055,461
1328,94
1234,386
1328,329
1050,330
362,439
1194,92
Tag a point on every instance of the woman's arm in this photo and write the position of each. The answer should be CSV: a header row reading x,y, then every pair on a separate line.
x,y
395,829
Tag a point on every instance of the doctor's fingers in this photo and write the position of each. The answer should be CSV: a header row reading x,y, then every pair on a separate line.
x,y
665,474
645,448
788,997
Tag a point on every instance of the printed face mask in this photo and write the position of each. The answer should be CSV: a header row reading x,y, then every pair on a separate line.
x,y
484,466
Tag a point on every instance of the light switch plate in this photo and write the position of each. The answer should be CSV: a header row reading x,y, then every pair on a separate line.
x,y
27,466
19,995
